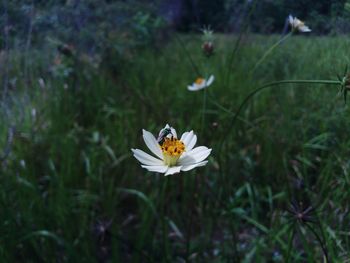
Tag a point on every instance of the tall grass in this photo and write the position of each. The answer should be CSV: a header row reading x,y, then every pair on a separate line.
x,y
72,192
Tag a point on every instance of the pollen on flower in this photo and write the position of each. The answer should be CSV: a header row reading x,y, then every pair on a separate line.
x,y
173,146
172,149
199,81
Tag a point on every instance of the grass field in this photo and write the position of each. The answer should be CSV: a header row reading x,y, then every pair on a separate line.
x,y
73,192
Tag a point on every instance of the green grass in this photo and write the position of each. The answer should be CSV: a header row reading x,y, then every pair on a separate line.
x,y
289,143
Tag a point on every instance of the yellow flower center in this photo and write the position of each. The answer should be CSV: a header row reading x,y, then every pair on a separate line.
x,y
199,81
172,149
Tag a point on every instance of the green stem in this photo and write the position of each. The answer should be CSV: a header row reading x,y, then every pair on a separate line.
x,y
235,49
322,232
274,84
290,243
212,100
195,68
323,247
203,109
207,75
254,92
163,219
307,247
257,64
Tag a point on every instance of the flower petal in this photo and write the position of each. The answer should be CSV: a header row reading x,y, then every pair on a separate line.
x,y
200,153
183,136
186,159
210,80
195,86
186,138
291,19
173,170
156,168
152,143
145,158
202,85
196,155
191,143
304,29
191,166
192,88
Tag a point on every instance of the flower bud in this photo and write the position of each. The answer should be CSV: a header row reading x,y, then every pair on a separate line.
x,y
208,48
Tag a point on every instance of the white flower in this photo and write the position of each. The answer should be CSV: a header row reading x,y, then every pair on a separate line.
x,y
298,25
208,33
201,83
173,155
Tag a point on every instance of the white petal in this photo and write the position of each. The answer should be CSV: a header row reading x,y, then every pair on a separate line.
x,y
173,170
152,143
187,138
186,159
196,155
145,158
183,136
191,143
304,29
196,86
198,149
192,88
210,80
156,168
290,19
200,154
191,166
298,22
202,85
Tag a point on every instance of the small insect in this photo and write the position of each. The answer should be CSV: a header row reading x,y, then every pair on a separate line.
x,y
164,133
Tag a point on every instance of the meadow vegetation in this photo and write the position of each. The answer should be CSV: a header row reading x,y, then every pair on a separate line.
x,y
71,190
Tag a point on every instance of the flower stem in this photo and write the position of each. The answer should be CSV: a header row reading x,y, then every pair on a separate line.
x,y
257,64
290,242
194,66
238,41
323,247
203,109
274,84
163,219
231,219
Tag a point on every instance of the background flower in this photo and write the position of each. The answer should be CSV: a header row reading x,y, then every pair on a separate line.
x,y
201,83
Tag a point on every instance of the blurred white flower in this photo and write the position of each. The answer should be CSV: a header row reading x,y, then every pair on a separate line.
x,y
33,113
41,83
22,163
201,83
298,25
208,33
173,155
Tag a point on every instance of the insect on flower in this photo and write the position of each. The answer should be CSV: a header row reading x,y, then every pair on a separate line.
x,y
163,134
201,83
173,154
